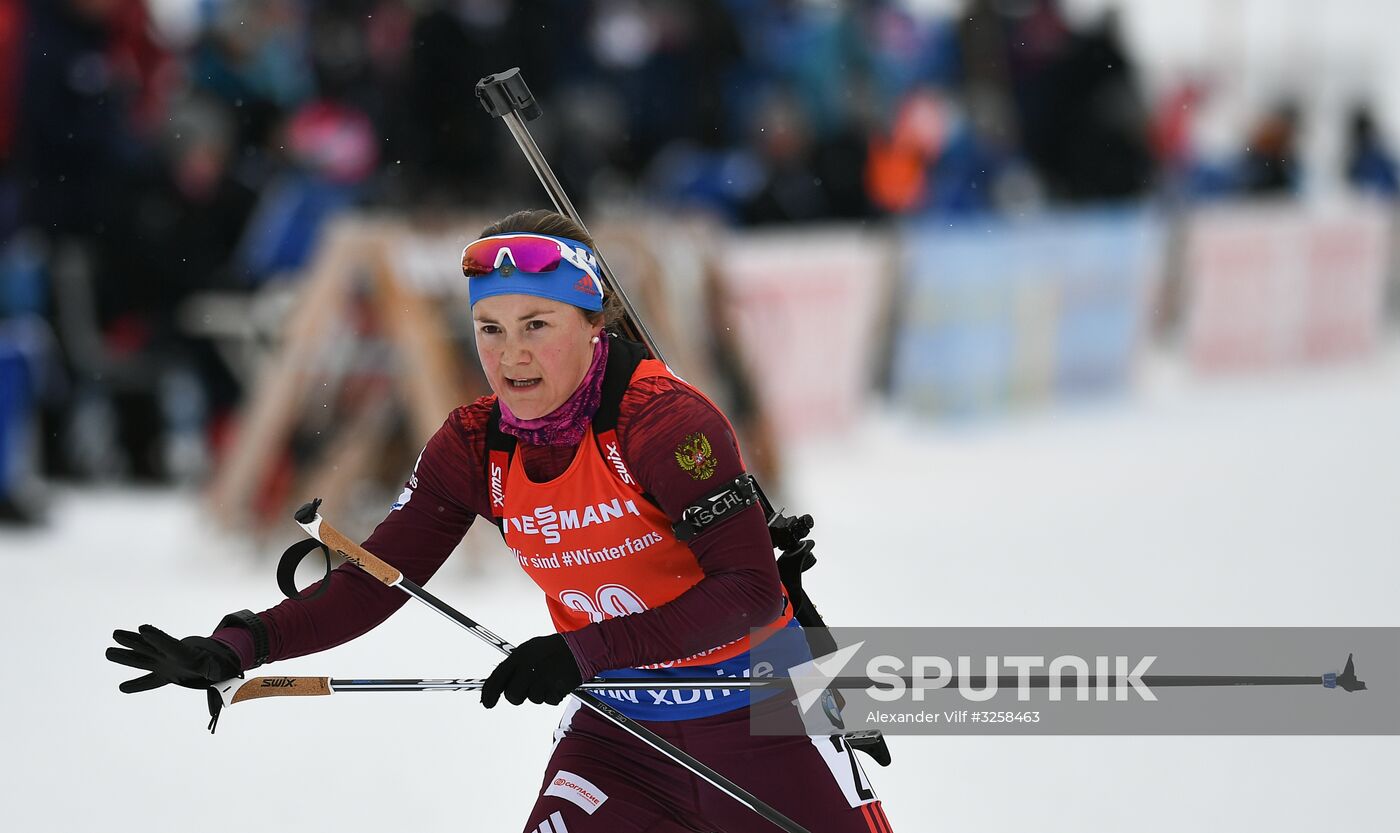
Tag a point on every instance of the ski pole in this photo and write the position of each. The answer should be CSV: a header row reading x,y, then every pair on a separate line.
x,y
311,521
238,690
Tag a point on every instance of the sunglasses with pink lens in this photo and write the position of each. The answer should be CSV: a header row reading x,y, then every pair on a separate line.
x,y
531,253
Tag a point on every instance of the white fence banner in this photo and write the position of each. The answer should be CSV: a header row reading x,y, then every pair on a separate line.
x,y
1271,285
805,306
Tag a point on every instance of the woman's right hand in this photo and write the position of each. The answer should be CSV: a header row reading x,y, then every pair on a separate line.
x,y
192,662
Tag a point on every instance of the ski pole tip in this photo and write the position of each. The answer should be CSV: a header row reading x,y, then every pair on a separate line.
x,y
1346,680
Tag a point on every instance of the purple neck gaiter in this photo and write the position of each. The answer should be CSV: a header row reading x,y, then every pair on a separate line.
x,y
566,424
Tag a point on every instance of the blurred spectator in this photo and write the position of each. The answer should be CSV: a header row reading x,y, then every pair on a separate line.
x,y
939,160
327,143
73,142
181,231
150,72
27,377
30,378
11,61
73,148
1371,166
330,150
1085,125
186,219
897,169
985,46
443,152
1171,132
905,50
253,57
1270,164
789,191
672,63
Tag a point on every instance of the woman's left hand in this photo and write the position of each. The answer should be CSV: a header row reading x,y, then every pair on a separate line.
x,y
541,670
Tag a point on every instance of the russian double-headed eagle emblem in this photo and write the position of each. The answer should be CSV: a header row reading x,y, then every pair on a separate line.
x,y
695,455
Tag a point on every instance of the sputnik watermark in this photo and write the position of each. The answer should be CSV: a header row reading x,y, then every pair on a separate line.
x,y
886,671
890,682
1078,680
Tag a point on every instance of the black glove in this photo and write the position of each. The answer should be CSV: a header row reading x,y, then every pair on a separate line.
x,y
541,670
192,662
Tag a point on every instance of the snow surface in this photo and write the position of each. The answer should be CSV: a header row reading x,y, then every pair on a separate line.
x,y
1261,502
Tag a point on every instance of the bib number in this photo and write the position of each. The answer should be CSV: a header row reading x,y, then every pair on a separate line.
x,y
607,602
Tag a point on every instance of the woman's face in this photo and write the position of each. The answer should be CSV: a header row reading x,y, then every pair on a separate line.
x,y
534,351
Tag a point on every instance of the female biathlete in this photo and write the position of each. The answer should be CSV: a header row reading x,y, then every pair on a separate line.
x,y
585,456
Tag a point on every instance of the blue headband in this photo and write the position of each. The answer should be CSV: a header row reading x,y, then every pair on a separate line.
x,y
569,283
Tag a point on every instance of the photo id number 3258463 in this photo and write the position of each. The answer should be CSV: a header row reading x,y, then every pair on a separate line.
x,y
1004,717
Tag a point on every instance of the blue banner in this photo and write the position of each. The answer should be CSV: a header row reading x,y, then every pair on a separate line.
x,y
995,313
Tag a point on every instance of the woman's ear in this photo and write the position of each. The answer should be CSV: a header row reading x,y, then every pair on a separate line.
x,y
595,329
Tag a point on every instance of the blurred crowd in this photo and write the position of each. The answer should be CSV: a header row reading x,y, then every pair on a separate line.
x,y
151,150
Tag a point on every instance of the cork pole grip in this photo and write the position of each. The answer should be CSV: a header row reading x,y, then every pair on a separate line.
x,y
316,526
358,555
260,687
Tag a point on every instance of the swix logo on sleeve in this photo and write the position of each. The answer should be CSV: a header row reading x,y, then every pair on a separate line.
x,y
615,457
576,788
498,481
612,450
548,521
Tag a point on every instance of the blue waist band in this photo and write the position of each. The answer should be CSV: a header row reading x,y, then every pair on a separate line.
x,y
684,703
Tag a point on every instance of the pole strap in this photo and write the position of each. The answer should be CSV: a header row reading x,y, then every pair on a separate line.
x,y
287,570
